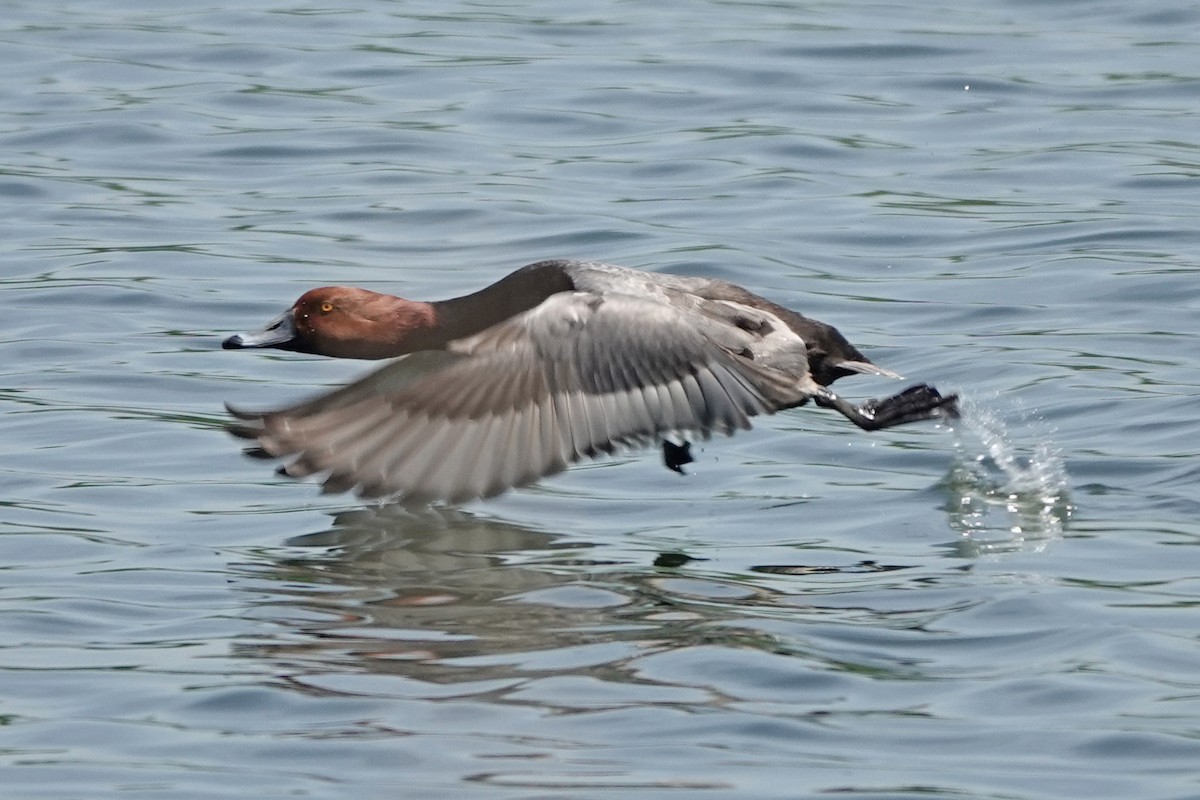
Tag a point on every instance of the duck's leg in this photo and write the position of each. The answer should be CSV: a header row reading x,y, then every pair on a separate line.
x,y
676,455
914,404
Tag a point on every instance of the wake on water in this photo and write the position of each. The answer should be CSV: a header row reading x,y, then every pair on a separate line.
x,y
1006,491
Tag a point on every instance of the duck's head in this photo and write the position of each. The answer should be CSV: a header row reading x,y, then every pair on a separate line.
x,y
345,322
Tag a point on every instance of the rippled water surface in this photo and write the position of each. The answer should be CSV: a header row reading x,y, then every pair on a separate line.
x,y
998,198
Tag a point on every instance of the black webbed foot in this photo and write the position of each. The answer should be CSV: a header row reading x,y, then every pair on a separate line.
x,y
676,455
914,404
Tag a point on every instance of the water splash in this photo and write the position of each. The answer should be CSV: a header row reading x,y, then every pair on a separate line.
x,y
1005,492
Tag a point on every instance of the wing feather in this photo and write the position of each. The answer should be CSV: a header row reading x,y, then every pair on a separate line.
x,y
580,375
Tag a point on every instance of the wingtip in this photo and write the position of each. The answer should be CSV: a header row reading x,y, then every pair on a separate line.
x,y
242,413
243,431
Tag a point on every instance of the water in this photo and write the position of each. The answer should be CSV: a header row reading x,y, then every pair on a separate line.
x,y
1016,487
998,198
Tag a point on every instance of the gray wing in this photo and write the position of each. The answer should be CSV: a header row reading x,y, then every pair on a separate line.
x,y
580,375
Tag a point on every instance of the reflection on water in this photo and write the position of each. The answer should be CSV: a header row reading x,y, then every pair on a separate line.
x,y
447,597
389,584
1006,493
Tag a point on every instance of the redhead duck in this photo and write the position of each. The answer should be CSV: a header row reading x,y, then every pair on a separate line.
x,y
558,361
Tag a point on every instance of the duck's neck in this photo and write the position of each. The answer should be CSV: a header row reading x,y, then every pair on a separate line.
x,y
513,294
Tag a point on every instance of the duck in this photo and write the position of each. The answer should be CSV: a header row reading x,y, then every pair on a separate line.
x,y
559,361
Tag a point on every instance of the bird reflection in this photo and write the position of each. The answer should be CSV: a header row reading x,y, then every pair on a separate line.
x,y
445,598
385,587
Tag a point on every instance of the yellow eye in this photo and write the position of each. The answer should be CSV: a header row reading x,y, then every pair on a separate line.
x,y
326,307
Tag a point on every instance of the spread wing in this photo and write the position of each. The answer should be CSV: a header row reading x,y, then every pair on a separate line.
x,y
580,375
